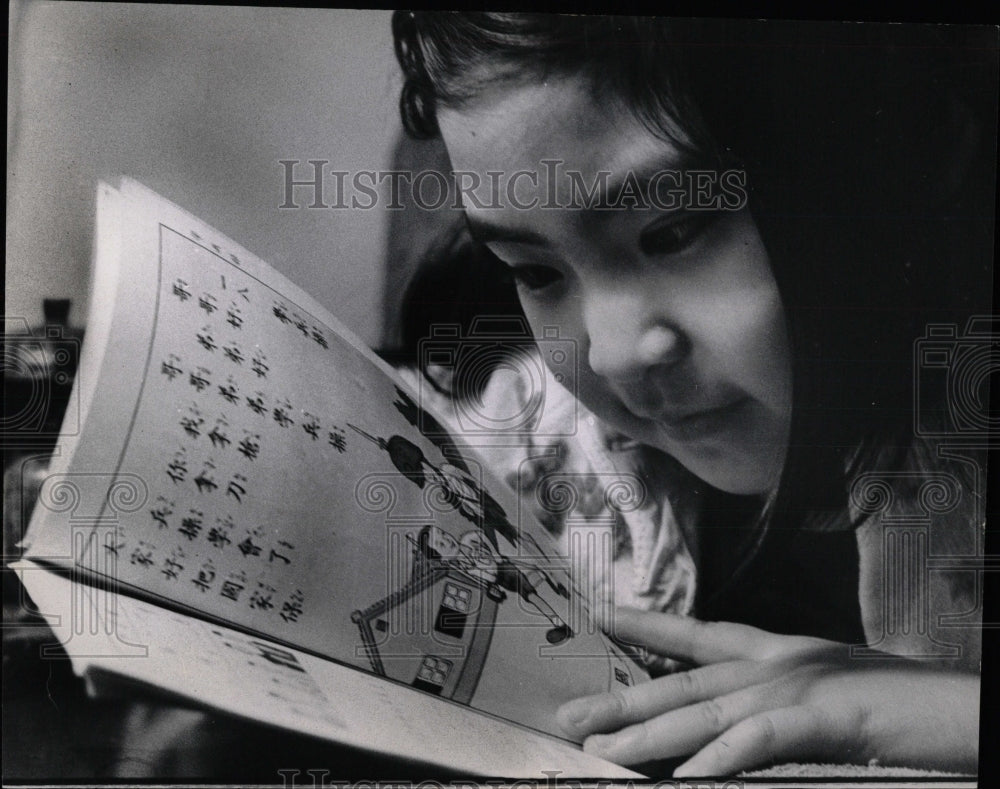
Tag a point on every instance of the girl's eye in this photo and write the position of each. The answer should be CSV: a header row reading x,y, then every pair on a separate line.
x,y
535,277
676,233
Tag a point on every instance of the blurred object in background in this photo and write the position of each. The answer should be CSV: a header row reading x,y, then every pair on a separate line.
x,y
39,365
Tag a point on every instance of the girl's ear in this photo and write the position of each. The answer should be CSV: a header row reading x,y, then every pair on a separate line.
x,y
441,378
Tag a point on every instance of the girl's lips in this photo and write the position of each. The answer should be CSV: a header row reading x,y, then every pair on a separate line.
x,y
701,423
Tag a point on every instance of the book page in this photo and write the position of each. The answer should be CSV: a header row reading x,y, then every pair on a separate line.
x,y
245,458
254,678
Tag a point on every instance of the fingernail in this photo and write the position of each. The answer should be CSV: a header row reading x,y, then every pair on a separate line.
x,y
688,770
601,745
622,619
573,713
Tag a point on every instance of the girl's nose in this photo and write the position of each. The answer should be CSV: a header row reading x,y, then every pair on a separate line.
x,y
627,338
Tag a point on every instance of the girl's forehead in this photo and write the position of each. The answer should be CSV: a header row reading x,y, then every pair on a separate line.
x,y
526,123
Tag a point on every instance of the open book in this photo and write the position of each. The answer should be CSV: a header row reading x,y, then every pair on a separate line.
x,y
253,513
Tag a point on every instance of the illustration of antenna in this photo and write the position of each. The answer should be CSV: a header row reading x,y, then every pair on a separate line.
x,y
406,456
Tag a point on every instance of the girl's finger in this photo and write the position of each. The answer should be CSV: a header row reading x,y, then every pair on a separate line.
x,y
778,735
685,730
694,641
610,711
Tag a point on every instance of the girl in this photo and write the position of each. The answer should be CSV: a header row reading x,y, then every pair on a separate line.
x,y
745,238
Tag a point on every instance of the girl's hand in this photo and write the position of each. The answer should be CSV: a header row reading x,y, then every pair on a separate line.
x,y
756,698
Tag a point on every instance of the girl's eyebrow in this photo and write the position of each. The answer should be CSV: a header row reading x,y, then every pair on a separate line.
x,y
643,172
485,232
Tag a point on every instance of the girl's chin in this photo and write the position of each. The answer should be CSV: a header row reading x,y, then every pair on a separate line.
x,y
745,475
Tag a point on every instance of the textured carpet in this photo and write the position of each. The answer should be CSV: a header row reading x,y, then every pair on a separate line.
x,y
796,770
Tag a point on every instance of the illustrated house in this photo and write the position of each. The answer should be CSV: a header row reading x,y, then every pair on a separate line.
x,y
454,613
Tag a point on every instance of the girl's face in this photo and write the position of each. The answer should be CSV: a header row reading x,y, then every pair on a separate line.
x,y
679,329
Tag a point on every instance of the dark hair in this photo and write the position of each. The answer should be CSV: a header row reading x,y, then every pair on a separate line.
x,y
448,58
458,282
864,147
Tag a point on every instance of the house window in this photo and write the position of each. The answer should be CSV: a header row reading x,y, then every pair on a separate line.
x,y
454,611
457,597
432,674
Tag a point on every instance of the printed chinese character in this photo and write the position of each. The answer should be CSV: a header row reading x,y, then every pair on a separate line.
x,y
198,378
275,555
236,487
242,291
115,542
291,609
192,422
259,364
300,324
169,366
219,535
191,524
280,413
172,565
177,468
249,446
206,575
234,317
262,597
256,403
206,340
233,353
142,555
280,312
249,548
286,546
317,335
231,589
311,425
180,290
205,480
207,302
161,511
338,440
230,391
218,435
